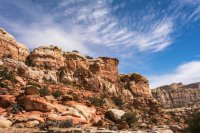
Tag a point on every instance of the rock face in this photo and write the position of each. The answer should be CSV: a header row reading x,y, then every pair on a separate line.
x,y
49,84
12,49
137,84
51,64
178,95
47,57
35,103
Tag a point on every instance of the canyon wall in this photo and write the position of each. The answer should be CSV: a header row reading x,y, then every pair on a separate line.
x,y
51,64
178,95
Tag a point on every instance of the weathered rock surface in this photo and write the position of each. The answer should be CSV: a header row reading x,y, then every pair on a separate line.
x,y
178,95
4,123
35,103
47,57
115,114
12,49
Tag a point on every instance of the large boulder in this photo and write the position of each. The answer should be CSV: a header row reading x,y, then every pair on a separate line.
x,y
115,114
35,103
32,90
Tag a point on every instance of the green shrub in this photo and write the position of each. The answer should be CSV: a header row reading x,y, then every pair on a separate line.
x,y
98,102
29,62
194,123
57,94
7,75
3,85
118,101
129,117
16,108
44,91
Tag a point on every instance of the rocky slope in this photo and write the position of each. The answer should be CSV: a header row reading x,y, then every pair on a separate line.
x,y
52,88
178,95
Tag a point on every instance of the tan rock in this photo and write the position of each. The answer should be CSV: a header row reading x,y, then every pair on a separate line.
x,y
178,95
12,49
115,114
4,123
32,124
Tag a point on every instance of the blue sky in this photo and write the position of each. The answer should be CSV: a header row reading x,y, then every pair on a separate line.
x,y
158,38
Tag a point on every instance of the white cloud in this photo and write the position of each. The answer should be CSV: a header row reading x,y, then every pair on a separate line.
x,y
90,24
185,73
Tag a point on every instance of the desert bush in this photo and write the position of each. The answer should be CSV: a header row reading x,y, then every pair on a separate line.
x,y
130,118
44,91
75,51
89,57
29,62
57,94
8,56
74,95
194,123
53,123
118,101
98,102
7,75
3,85
16,108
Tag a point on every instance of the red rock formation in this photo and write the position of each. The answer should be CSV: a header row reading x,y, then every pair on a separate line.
x,y
12,49
47,57
137,84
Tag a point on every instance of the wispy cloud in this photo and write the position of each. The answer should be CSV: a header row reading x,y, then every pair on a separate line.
x,y
84,25
186,73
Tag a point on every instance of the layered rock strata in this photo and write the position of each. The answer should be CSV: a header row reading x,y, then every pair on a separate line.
x,y
178,95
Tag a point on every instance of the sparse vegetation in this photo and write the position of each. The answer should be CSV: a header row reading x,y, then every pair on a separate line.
x,y
118,101
75,51
16,108
3,85
194,123
89,57
53,123
98,102
7,75
57,94
47,66
8,56
74,95
130,118
44,91
29,62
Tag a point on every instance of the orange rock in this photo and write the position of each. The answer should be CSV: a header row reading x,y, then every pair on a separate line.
x,y
6,100
35,103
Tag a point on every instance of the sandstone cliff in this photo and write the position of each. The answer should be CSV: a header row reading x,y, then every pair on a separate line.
x,y
10,48
178,95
